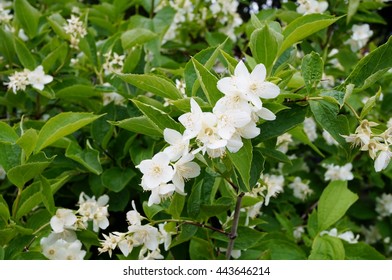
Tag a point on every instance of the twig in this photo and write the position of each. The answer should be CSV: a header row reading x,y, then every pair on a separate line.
x,y
234,227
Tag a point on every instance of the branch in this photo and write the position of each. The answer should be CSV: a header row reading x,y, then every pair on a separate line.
x,y
234,227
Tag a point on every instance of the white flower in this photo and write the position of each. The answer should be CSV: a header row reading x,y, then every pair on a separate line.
x,y
229,120
133,216
300,189
347,236
298,231
371,234
109,243
335,172
151,255
273,185
146,235
384,205
158,193
156,171
283,141
54,247
360,36
251,85
184,169
310,128
179,145
22,35
382,160
94,210
38,79
166,237
115,97
329,139
18,81
311,6
64,219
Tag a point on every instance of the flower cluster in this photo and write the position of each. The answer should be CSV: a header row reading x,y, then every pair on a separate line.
x,y
113,63
301,189
189,12
377,145
336,172
384,205
36,78
76,30
233,117
138,235
62,243
311,6
5,13
360,36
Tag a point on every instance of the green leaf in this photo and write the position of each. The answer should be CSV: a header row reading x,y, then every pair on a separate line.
x,y
62,125
116,179
371,67
242,161
352,9
257,167
208,82
102,130
7,133
27,16
136,36
30,198
47,195
327,248
274,154
154,84
312,69
200,249
28,141
156,116
333,204
88,46
370,103
304,26
176,205
361,251
7,48
56,21
77,91
264,45
21,174
326,115
152,210
4,209
141,125
24,54
299,134
194,200
285,120
10,155
207,211
281,248
338,96
55,58
88,157
186,233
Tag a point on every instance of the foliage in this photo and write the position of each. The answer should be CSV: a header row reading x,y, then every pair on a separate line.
x,y
195,130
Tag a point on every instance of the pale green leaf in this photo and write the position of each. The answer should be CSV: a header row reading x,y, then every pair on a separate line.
x,y
327,248
136,36
62,125
242,162
304,26
152,83
312,69
27,16
7,133
141,125
28,141
24,54
335,200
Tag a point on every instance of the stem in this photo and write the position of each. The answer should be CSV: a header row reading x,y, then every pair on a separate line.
x,y
353,111
152,8
234,227
16,203
192,223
